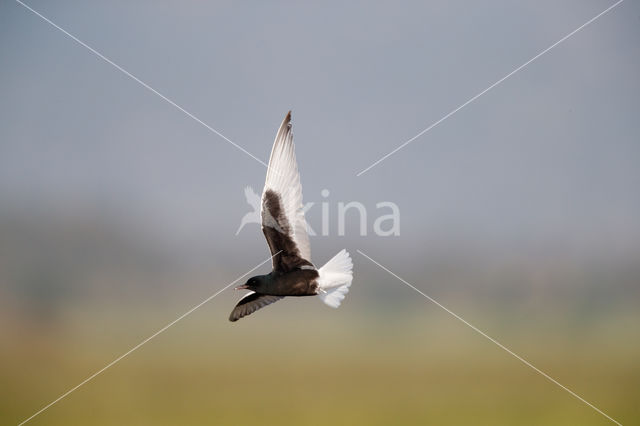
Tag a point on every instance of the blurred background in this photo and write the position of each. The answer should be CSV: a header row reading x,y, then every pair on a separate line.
x,y
521,212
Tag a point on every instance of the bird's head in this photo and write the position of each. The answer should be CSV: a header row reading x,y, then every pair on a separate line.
x,y
253,283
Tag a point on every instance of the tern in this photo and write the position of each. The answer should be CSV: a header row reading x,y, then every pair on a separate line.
x,y
285,228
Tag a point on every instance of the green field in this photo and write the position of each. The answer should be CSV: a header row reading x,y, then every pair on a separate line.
x,y
419,366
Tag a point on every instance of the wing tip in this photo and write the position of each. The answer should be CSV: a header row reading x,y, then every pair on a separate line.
x,y
236,314
284,139
286,123
285,128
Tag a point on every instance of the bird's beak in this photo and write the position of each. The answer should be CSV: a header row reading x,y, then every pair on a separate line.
x,y
242,287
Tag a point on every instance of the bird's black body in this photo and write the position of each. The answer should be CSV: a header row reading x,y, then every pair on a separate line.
x,y
299,282
270,288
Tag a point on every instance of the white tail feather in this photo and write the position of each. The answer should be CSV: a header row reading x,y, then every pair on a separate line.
x,y
335,279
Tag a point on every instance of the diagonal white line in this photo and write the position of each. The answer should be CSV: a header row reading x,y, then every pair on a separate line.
x,y
64,395
142,83
488,88
500,345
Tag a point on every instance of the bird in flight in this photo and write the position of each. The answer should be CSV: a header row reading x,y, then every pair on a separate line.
x,y
285,229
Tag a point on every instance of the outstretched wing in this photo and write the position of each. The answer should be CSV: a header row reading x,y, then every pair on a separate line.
x,y
251,303
283,222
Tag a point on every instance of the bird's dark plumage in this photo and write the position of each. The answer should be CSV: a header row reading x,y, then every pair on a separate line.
x,y
286,256
251,303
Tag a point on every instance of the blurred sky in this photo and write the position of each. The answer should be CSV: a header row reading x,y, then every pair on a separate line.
x,y
548,159
521,212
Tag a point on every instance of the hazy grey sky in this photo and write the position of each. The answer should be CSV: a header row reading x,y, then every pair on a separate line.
x,y
550,154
